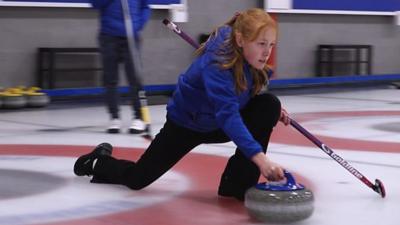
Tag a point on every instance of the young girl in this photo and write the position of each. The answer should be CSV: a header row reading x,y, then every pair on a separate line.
x,y
218,99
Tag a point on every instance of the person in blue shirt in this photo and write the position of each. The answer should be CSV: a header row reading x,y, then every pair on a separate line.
x,y
220,98
114,50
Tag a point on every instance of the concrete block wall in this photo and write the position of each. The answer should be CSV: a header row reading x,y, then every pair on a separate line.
x,y
165,55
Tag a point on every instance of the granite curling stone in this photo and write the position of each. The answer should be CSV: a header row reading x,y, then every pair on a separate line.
x,y
275,202
13,99
36,98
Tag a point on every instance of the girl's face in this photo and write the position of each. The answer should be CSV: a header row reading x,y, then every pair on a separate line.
x,y
257,52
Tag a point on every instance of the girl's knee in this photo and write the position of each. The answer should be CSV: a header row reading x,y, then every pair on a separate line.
x,y
136,185
137,181
269,105
270,101
262,114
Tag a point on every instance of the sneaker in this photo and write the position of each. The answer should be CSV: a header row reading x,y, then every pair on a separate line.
x,y
114,127
137,126
84,164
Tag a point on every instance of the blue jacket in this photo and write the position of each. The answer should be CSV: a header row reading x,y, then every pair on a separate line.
x,y
112,18
205,98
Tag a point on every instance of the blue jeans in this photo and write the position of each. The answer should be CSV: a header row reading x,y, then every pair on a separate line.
x,y
115,50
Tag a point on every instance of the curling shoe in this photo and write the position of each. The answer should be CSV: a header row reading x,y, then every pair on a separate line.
x,y
137,127
84,164
114,127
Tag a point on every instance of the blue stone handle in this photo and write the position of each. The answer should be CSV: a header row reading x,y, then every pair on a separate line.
x,y
290,181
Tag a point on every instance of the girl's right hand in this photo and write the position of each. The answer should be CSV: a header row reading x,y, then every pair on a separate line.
x,y
270,170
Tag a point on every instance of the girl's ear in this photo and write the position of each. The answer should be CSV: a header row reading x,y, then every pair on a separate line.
x,y
239,39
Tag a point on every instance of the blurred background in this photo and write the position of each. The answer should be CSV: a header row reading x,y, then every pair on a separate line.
x,y
53,44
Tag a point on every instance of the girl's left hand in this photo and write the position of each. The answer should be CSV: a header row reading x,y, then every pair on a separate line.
x,y
284,118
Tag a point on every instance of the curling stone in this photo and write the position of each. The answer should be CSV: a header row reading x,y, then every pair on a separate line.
x,y
276,202
36,98
12,99
396,85
1,97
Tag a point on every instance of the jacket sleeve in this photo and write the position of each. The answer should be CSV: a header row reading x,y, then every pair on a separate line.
x,y
145,13
220,89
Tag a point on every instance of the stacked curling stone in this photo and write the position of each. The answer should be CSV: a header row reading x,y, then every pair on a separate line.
x,y
36,98
279,202
13,98
1,97
19,97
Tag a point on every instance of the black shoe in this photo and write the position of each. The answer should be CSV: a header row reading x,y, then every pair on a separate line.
x,y
84,164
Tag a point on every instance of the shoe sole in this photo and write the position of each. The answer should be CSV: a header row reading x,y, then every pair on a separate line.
x,y
113,131
134,131
79,165
101,149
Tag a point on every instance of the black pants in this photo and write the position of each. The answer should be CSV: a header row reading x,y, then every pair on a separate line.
x,y
173,142
115,50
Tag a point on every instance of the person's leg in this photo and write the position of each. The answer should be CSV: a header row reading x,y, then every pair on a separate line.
x,y
260,115
168,147
134,79
110,60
